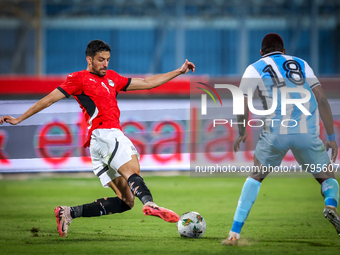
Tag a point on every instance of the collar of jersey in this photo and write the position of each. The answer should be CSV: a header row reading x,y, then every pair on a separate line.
x,y
272,53
97,75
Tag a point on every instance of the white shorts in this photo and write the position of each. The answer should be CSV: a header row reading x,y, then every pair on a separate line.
x,y
110,149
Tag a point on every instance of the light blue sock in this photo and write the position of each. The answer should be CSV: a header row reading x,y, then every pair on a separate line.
x,y
248,196
330,191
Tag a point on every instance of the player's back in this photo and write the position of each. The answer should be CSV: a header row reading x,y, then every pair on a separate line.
x,y
276,74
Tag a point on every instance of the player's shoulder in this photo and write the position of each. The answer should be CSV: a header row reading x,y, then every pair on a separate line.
x,y
251,71
77,75
295,58
253,66
111,73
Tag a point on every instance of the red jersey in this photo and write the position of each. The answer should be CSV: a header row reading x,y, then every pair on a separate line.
x,y
96,97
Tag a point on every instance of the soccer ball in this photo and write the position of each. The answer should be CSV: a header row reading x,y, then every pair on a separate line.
x,y
191,224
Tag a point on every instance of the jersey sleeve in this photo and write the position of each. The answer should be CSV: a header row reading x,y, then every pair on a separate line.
x,y
121,82
311,79
72,85
250,79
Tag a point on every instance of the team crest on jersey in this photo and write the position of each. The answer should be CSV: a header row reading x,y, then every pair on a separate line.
x,y
111,83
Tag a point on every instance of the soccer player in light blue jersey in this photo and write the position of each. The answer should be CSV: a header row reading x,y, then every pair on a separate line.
x,y
280,80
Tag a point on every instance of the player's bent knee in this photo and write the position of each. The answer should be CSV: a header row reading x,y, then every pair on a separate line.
x,y
128,197
324,175
130,201
258,176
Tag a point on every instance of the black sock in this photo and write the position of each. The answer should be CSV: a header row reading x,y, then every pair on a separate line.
x,y
139,188
103,206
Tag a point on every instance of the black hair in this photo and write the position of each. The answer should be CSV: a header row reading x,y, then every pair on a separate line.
x,y
96,46
272,42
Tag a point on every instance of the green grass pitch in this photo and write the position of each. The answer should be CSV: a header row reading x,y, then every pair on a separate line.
x,y
286,218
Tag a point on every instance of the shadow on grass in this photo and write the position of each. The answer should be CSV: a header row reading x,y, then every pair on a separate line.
x,y
311,243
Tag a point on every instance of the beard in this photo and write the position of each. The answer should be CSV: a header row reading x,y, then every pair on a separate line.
x,y
99,71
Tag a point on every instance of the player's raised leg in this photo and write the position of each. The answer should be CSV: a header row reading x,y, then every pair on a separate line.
x,y
103,206
130,171
309,150
330,192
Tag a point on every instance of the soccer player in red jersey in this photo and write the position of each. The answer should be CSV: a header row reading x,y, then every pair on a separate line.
x,y
115,159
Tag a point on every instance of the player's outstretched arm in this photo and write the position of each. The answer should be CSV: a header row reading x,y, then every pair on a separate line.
x,y
157,80
327,119
43,103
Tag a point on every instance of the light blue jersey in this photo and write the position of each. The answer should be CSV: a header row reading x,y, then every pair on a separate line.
x,y
279,71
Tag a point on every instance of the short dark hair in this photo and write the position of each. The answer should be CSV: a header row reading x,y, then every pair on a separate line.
x,y
272,42
96,46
